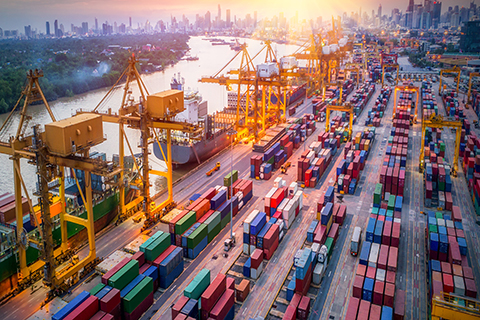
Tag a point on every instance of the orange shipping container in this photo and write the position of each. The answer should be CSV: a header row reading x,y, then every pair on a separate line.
x,y
202,208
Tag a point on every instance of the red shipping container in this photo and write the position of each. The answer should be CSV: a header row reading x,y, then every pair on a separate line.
x,y
454,253
389,294
390,277
144,305
268,253
470,288
140,257
321,202
230,283
211,192
202,208
460,233
361,270
194,204
290,313
447,283
363,310
302,286
383,257
467,272
246,187
207,215
395,238
352,309
378,292
85,310
387,232
99,315
342,212
173,222
392,259
114,270
277,197
335,208
163,256
224,304
320,234
270,236
358,286
178,306
334,231
295,302
257,258
456,214
446,267
399,310
304,308
375,312
213,292
110,301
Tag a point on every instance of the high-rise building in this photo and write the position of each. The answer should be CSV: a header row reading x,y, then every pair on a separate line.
x,y
96,25
28,31
55,27
84,27
228,18
379,11
255,19
130,22
409,14
208,20
47,25
463,15
219,13
470,38
436,11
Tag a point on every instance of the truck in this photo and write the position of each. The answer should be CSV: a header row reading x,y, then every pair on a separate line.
x,y
216,168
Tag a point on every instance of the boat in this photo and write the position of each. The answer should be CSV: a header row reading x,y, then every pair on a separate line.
x,y
212,137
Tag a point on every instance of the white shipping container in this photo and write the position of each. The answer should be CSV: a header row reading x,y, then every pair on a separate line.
x,y
398,220
269,196
111,261
318,273
268,69
292,189
134,246
300,198
310,156
459,286
441,222
314,161
288,62
373,257
246,248
282,204
248,220
449,224
281,225
380,276
252,248
280,235
255,273
315,247
276,182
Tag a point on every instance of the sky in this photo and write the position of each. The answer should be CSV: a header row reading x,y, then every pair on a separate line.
x,y
15,14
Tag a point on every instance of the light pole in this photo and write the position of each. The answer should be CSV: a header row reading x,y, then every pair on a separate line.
x,y
231,133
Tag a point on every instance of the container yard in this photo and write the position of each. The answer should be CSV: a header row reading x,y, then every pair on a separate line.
x,y
352,198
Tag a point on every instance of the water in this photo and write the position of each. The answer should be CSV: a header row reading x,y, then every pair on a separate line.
x,y
211,60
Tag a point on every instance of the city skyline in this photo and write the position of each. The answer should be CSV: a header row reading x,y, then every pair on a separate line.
x,y
14,16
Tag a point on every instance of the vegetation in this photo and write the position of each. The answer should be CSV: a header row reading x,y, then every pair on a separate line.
x,y
74,65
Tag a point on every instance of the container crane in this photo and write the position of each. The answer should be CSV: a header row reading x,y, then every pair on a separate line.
x,y
469,95
64,143
456,70
149,114
439,122
452,306
408,89
342,108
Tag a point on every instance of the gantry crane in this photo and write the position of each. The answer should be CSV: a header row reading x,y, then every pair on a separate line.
x,y
437,121
150,113
311,51
342,108
408,89
390,66
469,95
248,81
355,67
456,70
51,152
452,306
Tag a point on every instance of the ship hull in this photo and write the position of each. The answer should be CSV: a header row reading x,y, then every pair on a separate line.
x,y
204,149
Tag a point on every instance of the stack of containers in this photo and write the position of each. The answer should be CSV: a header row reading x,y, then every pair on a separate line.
x,y
376,112
452,105
253,267
429,103
438,184
362,96
447,251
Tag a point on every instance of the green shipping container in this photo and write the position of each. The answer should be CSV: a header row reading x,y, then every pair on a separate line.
x,y
329,245
390,213
215,231
433,228
198,285
225,221
197,236
228,180
157,247
185,223
213,221
271,160
97,289
136,296
377,194
391,202
149,241
438,215
441,186
125,275
375,210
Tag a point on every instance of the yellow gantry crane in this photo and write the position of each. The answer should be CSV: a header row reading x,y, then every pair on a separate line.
x,y
149,114
355,67
469,95
342,108
64,143
251,83
437,121
408,89
311,51
456,70
452,306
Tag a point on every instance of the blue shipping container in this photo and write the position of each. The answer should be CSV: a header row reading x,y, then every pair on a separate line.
x,y
72,305
218,200
170,262
131,285
387,313
258,223
367,292
165,281
103,292
191,308
151,272
193,253
246,268
365,252
377,238
262,234
370,229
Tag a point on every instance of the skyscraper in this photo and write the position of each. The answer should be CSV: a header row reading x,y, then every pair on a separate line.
x,y
379,14
219,13
130,21
437,9
96,25
55,28
28,31
84,27
255,19
228,18
208,20
47,25
409,14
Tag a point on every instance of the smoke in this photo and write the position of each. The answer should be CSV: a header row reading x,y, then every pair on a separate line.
x,y
102,68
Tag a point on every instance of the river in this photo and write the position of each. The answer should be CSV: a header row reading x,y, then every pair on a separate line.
x,y
211,60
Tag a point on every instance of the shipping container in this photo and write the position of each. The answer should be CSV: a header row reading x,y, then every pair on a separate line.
x,y
72,305
198,285
125,275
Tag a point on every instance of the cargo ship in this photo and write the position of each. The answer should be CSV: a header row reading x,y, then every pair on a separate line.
x,y
105,203
213,138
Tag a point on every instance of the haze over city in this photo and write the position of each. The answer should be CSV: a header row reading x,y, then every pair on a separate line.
x,y
16,14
